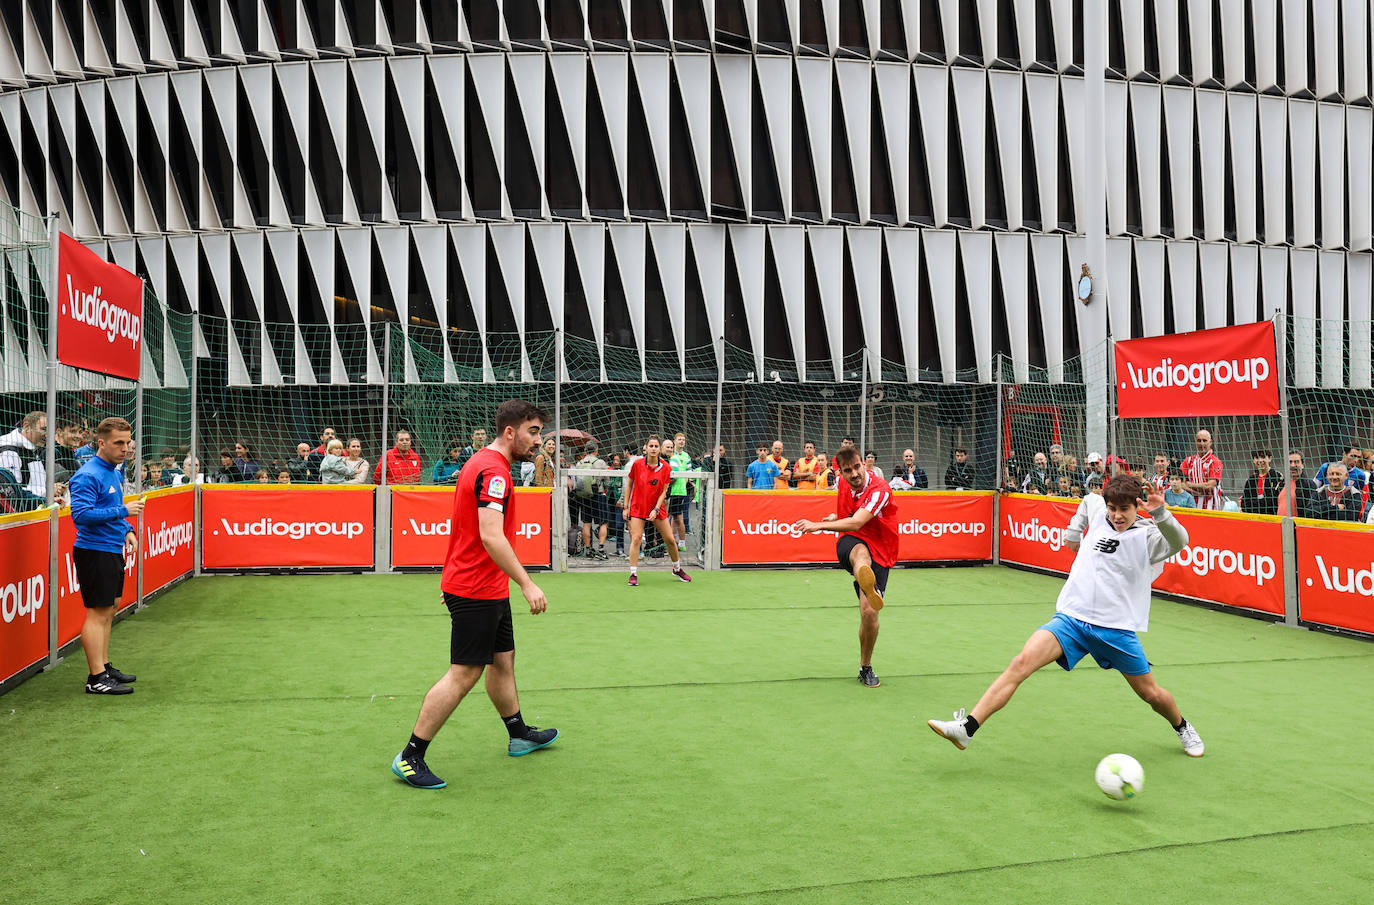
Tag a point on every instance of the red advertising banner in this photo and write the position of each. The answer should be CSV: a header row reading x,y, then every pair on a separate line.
x,y
1336,576
24,597
99,312
1032,531
420,522
169,537
932,527
71,610
1226,371
1231,559
281,527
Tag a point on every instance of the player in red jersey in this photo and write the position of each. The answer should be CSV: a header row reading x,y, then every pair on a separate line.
x,y
481,562
1202,474
646,487
867,548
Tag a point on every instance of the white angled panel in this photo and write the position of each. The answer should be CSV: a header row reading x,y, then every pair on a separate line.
x,y
1331,288
547,239
987,27
670,251
1273,281
894,99
1242,119
866,258
747,244
1149,277
1211,126
813,78
369,78
1133,37
1303,264
1114,135
1295,40
257,88
447,72
1200,40
775,87
694,81
589,249
1359,137
789,251
1006,110
1233,41
1061,12
1119,288
1326,31
1245,301
1072,90
1355,53
940,257
1183,284
708,248
904,260
1012,266
1273,140
1359,288
932,102
1302,136
489,77
393,247
949,20
975,254
856,93
1042,96
1214,264
509,242
1331,146
331,80
1166,27
470,245
627,241
1025,30
827,253
294,79
1178,124
736,89
1145,113
970,98
1047,253
408,71
1266,43
570,79
651,75
527,72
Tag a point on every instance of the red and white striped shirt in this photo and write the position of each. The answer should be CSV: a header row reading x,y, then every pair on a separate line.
x,y
1200,470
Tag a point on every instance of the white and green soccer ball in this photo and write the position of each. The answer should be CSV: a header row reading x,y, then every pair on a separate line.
x,y
1120,776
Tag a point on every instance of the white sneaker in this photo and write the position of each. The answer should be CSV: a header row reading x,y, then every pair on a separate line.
x,y
1192,742
954,729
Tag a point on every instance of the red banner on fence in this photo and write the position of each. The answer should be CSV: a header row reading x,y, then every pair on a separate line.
x,y
281,528
71,609
1227,371
1336,576
99,312
1032,531
1230,559
421,519
932,527
169,537
24,596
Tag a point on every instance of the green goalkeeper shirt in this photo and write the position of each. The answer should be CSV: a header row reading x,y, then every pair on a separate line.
x,y
680,461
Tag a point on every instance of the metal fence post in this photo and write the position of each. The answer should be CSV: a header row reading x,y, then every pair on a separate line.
x,y
194,448
54,594
997,468
1111,404
386,397
1291,590
50,446
558,505
863,403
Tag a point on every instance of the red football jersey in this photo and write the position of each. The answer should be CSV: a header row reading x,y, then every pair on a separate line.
x,y
469,570
1199,470
880,533
648,486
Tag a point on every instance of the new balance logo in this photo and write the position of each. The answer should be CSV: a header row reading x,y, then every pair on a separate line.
x,y
1108,545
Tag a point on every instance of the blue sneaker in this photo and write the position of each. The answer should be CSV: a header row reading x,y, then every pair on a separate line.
x,y
416,772
535,739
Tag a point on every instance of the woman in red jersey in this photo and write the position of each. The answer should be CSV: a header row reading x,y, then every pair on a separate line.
x,y
646,487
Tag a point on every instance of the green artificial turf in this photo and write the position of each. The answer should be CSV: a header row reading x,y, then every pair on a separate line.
x,y
716,748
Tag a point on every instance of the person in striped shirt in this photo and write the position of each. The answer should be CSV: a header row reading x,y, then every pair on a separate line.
x,y
1202,473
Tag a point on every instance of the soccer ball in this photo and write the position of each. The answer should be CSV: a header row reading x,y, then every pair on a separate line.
x,y
1120,776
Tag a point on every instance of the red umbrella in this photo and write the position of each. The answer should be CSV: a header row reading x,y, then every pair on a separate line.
x,y
576,437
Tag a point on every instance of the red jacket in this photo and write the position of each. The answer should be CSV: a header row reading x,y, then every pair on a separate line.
x,y
401,467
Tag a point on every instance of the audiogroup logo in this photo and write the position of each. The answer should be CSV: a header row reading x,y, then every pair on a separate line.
x,y
1037,532
167,539
1345,580
1198,375
269,527
22,598
940,529
90,308
772,527
1203,561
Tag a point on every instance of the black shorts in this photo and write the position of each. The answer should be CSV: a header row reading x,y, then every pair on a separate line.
x,y
480,629
843,546
588,510
677,505
101,574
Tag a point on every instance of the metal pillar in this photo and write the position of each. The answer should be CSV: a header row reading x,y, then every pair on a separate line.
x,y
386,397
50,447
558,512
863,403
1291,591
997,469
193,452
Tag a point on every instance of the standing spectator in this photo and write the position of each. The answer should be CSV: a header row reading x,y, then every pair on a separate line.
x,y
244,461
172,475
1354,476
446,470
1063,486
1177,494
402,463
23,452
825,476
68,439
679,493
1296,499
479,441
1160,476
845,443
1095,474
727,468
103,539
871,463
1261,490
908,475
784,478
283,477
301,470
228,473
332,468
615,498
1337,501
154,476
959,474
1117,464
588,500
318,453
762,472
1076,475
1202,473
806,468
544,464
1037,480
1056,460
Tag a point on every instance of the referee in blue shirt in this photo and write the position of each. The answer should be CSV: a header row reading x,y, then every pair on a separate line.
x,y
103,538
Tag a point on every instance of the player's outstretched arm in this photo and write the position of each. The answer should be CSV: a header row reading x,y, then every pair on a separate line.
x,y
830,523
1172,536
491,524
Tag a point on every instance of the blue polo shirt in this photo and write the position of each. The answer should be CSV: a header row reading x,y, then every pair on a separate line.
x,y
97,492
761,474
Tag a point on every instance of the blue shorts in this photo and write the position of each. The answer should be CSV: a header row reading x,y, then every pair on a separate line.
x,y
1112,648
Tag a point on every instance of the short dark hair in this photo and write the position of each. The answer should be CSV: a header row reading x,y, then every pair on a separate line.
x,y
809,443
761,445
1261,454
846,437
847,454
1354,449
1122,490
515,412
110,425
960,449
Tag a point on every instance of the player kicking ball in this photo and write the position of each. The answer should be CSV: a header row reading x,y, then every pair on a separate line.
x,y
646,487
1103,604
867,548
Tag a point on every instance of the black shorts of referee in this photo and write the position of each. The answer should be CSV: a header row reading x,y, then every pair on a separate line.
x,y
844,546
101,575
480,629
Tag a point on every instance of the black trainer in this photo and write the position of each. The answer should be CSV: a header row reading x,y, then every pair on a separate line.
x,y
535,738
106,684
416,772
869,677
122,677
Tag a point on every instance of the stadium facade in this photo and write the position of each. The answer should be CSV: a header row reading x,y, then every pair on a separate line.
x,y
914,175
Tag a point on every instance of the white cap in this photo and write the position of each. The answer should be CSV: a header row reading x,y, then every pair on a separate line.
x,y
1093,457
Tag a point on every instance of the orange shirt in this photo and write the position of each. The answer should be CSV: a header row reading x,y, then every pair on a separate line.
x,y
805,471
779,483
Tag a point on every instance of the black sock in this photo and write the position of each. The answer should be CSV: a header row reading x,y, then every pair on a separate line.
x,y
515,725
970,725
416,747
1181,723
94,676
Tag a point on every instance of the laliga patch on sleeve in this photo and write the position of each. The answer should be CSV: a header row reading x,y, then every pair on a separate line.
x,y
496,487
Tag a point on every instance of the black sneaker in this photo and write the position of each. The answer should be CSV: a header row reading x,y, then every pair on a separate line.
x,y
869,677
106,684
122,677
416,772
601,555
534,739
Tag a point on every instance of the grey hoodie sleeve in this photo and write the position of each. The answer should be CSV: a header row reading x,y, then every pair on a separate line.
x,y
1170,538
